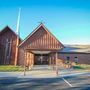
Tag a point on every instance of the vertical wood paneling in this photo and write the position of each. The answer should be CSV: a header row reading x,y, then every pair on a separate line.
x,y
43,39
7,33
50,42
30,59
47,40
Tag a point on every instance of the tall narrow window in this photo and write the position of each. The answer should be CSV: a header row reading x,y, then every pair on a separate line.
x,y
76,59
67,59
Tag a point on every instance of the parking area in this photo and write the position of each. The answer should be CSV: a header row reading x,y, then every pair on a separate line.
x,y
74,81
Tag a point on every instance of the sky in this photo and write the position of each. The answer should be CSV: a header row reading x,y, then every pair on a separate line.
x,y
68,20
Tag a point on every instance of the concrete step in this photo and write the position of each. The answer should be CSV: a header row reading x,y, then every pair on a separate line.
x,y
46,67
41,67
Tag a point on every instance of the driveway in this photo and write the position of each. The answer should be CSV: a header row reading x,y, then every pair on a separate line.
x,y
45,80
75,82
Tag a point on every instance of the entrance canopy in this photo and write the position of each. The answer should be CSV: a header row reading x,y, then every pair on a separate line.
x,y
41,52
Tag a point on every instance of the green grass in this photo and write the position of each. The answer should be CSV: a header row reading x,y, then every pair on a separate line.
x,y
10,68
82,66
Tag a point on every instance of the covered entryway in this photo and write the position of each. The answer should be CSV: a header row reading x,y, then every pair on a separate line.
x,y
41,59
41,47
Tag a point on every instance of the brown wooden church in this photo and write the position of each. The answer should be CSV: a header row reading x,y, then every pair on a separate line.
x,y
41,47
8,40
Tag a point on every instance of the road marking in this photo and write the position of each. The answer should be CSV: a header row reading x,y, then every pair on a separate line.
x,y
67,82
75,74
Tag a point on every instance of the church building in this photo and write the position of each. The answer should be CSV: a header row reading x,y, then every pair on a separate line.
x,y
40,47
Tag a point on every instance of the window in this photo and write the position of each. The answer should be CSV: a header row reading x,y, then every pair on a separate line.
x,y
67,59
76,59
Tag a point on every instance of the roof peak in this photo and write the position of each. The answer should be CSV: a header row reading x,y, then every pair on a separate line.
x,y
42,24
37,28
8,28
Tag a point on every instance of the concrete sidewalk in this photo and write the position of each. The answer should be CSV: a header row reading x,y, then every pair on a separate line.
x,y
41,73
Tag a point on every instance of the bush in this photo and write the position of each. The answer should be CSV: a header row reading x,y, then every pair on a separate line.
x,y
81,66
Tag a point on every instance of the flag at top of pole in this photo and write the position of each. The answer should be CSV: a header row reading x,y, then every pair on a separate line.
x,y
18,22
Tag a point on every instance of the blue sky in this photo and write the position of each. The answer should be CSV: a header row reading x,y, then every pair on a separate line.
x,y
68,20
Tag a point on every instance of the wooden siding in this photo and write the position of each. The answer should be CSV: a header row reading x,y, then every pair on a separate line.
x,y
29,59
41,39
25,58
7,46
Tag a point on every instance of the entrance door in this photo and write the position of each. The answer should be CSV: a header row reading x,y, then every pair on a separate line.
x,y
41,59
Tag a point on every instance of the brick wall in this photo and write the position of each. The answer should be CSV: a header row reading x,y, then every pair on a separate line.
x,y
82,58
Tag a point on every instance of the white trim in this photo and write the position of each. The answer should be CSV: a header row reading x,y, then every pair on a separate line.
x,y
67,82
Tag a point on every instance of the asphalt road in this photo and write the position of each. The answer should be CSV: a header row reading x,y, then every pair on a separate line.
x,y
77,82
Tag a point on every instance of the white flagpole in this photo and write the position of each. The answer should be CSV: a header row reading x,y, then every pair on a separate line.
x,y
17,40
18,21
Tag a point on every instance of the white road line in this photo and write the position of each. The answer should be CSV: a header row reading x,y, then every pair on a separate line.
x,y
67,82
75,74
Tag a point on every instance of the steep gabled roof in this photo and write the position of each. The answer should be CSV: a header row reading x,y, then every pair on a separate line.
x,y
7,28
41,25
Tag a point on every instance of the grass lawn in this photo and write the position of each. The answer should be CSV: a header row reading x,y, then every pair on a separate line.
x,y
10,68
